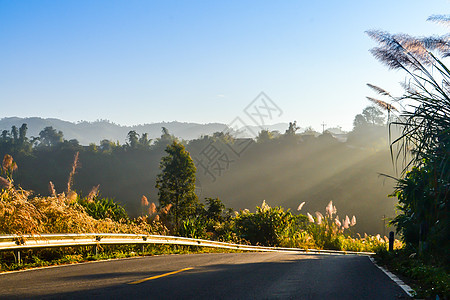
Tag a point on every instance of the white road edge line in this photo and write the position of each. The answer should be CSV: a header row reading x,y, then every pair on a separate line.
x,y
408,290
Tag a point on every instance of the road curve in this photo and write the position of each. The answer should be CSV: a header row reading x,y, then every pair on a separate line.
x,y
208,276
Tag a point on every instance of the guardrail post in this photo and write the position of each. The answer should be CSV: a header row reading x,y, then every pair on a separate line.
x,y
17,257
144,238
98,239
391,241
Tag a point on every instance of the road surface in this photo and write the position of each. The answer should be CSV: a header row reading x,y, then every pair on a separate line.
x,y
208,276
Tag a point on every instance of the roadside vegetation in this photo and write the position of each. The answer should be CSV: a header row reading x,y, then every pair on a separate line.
x,y
422,153
22,212
239,171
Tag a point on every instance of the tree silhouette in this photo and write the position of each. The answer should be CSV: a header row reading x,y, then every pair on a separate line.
x,y
373,115
292,128
370,116
50,137
23,133
14,134
144,141
133,139
165,139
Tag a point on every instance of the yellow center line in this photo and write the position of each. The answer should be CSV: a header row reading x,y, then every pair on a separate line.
x,y
159,276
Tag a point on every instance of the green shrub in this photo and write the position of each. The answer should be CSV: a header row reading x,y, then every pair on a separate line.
x,y
268,226
102,208
193,228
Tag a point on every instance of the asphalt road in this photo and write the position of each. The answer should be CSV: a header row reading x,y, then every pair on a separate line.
x,y
208,276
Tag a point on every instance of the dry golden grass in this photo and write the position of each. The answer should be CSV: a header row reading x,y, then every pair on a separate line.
x,y
23,213
5,182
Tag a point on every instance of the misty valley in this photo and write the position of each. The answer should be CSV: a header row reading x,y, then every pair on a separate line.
x,y
282,168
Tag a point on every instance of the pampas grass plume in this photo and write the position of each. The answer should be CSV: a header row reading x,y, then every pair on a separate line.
x,y
300,206
144,201
331,209
51,188
337,222
152,209
75,165
264,206
319,217
310,218
346,222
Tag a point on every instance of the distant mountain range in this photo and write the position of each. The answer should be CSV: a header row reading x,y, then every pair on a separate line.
x,y
94,132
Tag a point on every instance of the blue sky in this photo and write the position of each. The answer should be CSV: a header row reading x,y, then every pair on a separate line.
x,y
135,62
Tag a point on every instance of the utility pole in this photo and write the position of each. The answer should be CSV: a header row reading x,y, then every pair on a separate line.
x,y
323,127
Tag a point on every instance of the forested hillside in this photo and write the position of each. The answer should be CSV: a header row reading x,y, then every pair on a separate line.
x,y
283,169
94,132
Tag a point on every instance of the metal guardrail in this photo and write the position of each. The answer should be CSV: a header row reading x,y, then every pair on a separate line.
x,y
28,241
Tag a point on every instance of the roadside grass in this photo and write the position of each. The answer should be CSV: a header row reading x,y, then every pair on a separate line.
x,y
73,255
428,276
22,212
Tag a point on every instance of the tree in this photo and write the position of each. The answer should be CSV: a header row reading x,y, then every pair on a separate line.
x,y
176,183
5,135
144,141
133,139
264,136
359,122
24,144
14,133
23,133
223,137
15,140
370,116
292,128
165,139
50,137
107,146
215,209
373,115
